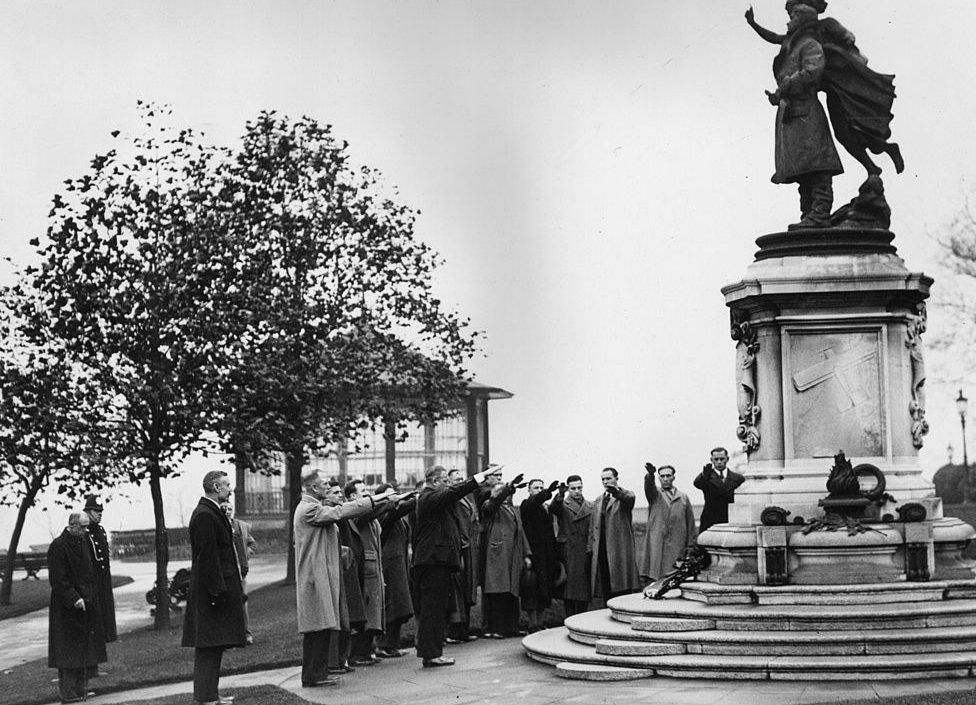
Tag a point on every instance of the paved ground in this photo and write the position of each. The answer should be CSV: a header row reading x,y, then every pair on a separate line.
x,y
24,638
498,672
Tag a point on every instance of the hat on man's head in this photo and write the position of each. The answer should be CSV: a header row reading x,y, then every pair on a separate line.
x,y
92,504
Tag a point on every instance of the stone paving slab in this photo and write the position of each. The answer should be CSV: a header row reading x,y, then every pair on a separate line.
x,y
490,672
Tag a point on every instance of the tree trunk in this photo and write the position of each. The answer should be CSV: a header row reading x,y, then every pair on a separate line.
x,y
294,462
162,547
8,564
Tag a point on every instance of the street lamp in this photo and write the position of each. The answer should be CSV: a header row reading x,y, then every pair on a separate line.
x,y
962,404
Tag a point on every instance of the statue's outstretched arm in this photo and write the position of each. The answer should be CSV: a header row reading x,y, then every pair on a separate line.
x,y
767,34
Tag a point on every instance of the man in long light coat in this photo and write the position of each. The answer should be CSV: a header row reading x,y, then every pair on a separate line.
x,y
613,565
572,512
670,524
318,572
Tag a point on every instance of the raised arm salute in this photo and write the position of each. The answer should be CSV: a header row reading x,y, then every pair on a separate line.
x,y
437,560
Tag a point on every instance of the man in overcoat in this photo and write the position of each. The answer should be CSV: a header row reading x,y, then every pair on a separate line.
x,y
505,554
718,484
437,560
468,517
365,535
76,642
670,524
244,545
611,547
214,616
572,513
537,524
101,564
319,583
395,540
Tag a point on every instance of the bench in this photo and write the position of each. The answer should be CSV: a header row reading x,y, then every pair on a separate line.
x,y
32,562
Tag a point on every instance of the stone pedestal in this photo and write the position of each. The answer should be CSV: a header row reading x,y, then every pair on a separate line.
x,y
828,358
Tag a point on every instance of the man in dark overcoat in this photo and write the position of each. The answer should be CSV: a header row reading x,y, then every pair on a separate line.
x,y
718,484
244,545
395,539
572,512
436,560
76,641
467,514
537,524
214,618
103,571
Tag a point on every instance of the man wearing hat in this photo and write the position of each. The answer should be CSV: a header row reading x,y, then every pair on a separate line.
x,y
102,571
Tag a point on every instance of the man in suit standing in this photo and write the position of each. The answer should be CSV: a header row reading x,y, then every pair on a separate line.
x,y
436,560
718,485
572,513
244,545
75,641
613,563
214,617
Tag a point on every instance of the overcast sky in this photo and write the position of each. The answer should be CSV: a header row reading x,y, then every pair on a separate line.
x,y
592,172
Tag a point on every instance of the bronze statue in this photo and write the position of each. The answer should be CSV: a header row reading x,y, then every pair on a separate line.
x,y
821,55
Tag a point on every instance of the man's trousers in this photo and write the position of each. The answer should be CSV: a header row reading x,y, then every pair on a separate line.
x,y
315,656
434,585
206,673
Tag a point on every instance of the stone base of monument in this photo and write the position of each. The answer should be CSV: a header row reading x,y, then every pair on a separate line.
x,y
897,630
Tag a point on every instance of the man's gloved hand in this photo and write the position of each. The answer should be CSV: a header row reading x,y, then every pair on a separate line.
x,y
514,482
649,467
553,485
613,490
562,488
218,600
707,469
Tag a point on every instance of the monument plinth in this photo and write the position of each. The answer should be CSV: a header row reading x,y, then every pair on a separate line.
x,y
828,328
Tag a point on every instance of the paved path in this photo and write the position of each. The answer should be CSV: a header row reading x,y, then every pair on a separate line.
x,y
24,638
498,672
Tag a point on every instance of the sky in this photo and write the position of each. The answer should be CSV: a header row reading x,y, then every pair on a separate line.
x,y
592,173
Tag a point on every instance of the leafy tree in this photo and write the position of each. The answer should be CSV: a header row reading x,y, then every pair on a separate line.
x,y
342,325
138,282
57,429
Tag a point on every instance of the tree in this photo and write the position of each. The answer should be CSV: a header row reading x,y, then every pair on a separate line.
x,y
57,429
138,280
343,327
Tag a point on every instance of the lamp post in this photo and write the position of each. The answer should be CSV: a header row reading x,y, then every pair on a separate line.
x,y
962,404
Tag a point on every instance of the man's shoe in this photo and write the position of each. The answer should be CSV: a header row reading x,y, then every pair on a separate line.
x,y
451,640
471,637
249,639
437,662
321,682
339,670
225,699
388,653
364,661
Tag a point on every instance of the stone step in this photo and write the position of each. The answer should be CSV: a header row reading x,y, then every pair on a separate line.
x,y
621,647
959,612
669,624
554,647
867,594
596,672
593,627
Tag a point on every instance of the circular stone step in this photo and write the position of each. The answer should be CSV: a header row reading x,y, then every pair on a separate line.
x,y
670,624
593,672
620,647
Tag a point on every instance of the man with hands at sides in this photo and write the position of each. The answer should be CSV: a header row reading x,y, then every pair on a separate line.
x,y
537,524
718,485
611,545
437,560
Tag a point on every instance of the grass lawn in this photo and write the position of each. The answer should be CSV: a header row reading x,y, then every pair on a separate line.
x,y
254,695
29,595
145,656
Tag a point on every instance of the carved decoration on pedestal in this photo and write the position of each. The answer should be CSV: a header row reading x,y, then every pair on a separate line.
x,y
913,341
747,346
